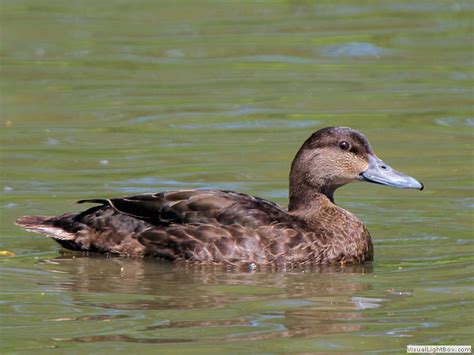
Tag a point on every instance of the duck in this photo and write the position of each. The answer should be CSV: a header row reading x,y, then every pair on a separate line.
x,y
222,226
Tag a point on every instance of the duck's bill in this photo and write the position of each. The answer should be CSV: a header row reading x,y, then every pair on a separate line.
x,y
380,173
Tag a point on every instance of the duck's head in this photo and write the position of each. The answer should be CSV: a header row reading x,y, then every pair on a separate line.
x,y
333,157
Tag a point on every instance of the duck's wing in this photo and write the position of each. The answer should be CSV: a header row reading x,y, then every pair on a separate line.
x,y
217,207
199,225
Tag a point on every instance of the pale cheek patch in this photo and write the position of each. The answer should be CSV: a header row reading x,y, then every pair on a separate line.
x,y
359,165
343,165
336,165
348,166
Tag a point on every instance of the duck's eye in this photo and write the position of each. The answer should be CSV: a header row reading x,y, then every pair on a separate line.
x,y
344,145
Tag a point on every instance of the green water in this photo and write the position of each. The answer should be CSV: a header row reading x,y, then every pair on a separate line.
x,y
112,98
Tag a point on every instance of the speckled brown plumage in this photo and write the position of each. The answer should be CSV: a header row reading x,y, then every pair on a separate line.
x,y
221,226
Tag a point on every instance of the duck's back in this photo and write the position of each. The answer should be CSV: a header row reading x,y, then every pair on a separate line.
x,y
197,225
198,206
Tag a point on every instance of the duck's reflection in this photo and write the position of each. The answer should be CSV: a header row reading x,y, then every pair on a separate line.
x,y
265,303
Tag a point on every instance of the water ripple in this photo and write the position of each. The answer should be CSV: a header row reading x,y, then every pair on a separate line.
x,y
257,124
354,49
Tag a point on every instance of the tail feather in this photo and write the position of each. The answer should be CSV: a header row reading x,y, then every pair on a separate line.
x,y
44,225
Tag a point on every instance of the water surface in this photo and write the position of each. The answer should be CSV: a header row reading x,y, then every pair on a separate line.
x,y
112,99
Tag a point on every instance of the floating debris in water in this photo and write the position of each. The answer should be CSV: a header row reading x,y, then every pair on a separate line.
x,y
8,189
7,253
104,162
395,292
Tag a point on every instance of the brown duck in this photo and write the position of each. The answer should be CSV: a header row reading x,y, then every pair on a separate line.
x,y
218,226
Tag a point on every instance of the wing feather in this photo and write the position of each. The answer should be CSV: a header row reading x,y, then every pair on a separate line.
x,y
198,206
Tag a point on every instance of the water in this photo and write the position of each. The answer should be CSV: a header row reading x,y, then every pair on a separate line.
x,y
112,99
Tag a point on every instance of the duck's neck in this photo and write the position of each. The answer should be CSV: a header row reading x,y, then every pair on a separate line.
x,y
303,196
308,183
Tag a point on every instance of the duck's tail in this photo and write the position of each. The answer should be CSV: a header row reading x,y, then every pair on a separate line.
x,y
44,225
